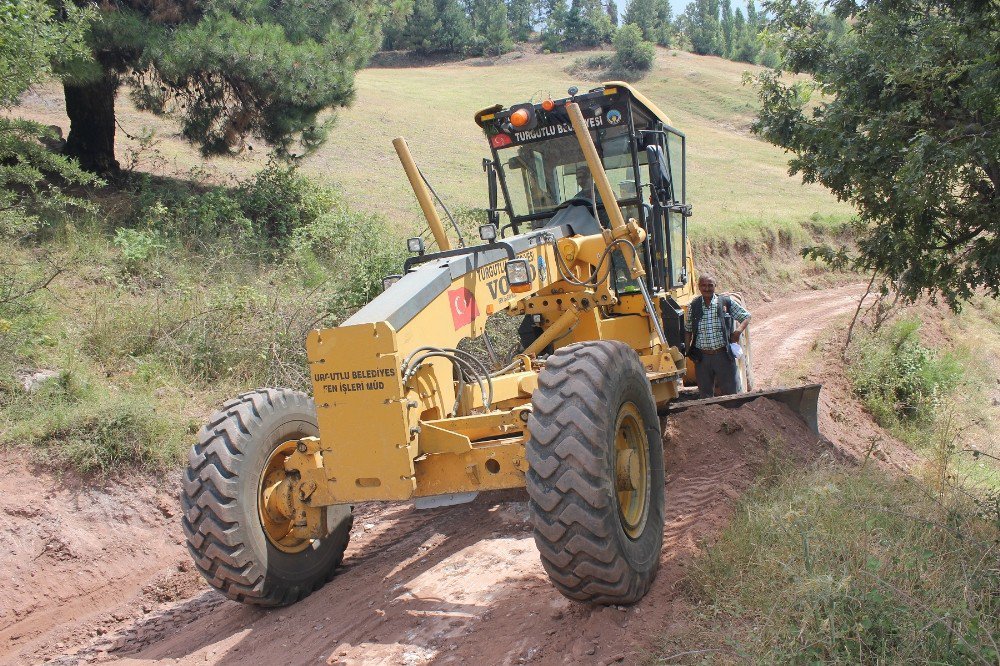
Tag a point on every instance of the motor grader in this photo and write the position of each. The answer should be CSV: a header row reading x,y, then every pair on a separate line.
x,y
595,262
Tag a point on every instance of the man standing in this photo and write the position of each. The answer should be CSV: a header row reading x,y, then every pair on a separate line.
x,y
712,323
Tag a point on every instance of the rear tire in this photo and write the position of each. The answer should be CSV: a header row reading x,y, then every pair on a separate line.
x,y
220,503
596,542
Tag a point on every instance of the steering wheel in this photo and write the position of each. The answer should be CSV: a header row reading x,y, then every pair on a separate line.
x,y
575,201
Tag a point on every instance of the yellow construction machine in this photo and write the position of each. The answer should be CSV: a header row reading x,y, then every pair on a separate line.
x,y
595,262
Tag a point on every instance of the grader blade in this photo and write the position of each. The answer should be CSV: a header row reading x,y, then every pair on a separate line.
x,y
804,400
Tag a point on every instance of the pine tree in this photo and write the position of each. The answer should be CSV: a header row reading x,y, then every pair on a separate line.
x,y
665,23
587,24
643,14
453,32
493,29
521,15
703,27
436,27
225,69
612,9
556,25
745,44
727,28
753,19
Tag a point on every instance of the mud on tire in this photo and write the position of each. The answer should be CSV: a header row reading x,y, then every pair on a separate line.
x,y
580,530
220,494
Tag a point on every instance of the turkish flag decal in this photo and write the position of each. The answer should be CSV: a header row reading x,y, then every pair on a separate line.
x,y
463,307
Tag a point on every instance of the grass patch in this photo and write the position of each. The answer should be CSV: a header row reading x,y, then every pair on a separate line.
x,y
940,403
77,422
731,175
903,382
836,566
177,296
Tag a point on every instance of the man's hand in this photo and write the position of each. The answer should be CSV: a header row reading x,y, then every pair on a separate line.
x,y
735,337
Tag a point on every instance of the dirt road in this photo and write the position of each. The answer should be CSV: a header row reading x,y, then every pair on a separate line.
x,y
100,574
783,331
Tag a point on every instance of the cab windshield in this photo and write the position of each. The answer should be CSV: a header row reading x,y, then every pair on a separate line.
x,y
541,175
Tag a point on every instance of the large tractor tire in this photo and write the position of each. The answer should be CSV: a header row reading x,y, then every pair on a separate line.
x,y
239,548
596,478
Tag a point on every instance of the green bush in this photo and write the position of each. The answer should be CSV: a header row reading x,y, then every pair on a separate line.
x,y
32,180
204,291
900,380
137,246
356,249
829,566
632,52
195,218
279,200
74,422
264,210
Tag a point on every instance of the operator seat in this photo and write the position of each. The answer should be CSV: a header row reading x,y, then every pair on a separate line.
x,y
579,218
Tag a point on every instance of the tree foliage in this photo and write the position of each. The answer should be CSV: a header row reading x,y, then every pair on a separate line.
x,y
632,52
653,17
588,24
32,39
227,69
905,126
522,18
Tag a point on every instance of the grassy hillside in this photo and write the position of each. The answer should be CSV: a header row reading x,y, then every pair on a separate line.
x,y
733,178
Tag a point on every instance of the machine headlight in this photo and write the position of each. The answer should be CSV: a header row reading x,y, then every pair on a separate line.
x,y
518,275
415,245
488,232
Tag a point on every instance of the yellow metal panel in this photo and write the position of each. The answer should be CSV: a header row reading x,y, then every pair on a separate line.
x,y
479,426
664,392
434,439
363,420
499,465
633,331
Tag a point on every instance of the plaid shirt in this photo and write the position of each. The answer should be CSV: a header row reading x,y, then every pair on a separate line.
x,y
710,333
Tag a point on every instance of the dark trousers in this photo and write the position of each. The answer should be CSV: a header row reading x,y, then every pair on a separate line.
x,y
716,370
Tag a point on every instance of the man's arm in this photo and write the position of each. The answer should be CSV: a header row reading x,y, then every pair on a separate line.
x,y
743,320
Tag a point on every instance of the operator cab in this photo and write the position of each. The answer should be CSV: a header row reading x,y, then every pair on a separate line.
x,y
540,168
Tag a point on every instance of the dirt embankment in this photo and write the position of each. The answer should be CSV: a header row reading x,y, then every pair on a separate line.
x,y
100,574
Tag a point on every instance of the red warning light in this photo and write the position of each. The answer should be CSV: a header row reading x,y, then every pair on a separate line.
x,y
548,105
500,140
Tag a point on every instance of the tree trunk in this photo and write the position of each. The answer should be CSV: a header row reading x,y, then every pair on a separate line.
x,y
91,111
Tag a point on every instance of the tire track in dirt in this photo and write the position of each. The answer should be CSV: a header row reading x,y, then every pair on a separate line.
x,y
464,584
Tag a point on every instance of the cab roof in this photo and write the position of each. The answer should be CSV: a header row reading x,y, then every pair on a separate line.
x,y
608,87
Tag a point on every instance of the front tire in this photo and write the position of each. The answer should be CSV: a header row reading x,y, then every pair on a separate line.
x,y
220,499
596,477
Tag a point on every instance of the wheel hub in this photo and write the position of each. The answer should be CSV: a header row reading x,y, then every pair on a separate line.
x,y
274,502
632,483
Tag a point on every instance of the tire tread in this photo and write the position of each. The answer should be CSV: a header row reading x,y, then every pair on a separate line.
x,y
570,498
209,499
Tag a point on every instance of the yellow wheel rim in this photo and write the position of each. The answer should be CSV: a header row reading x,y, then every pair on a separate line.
x,y
277,526
631,470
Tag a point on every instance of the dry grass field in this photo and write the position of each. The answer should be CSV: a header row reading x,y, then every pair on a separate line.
x,y
735,181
